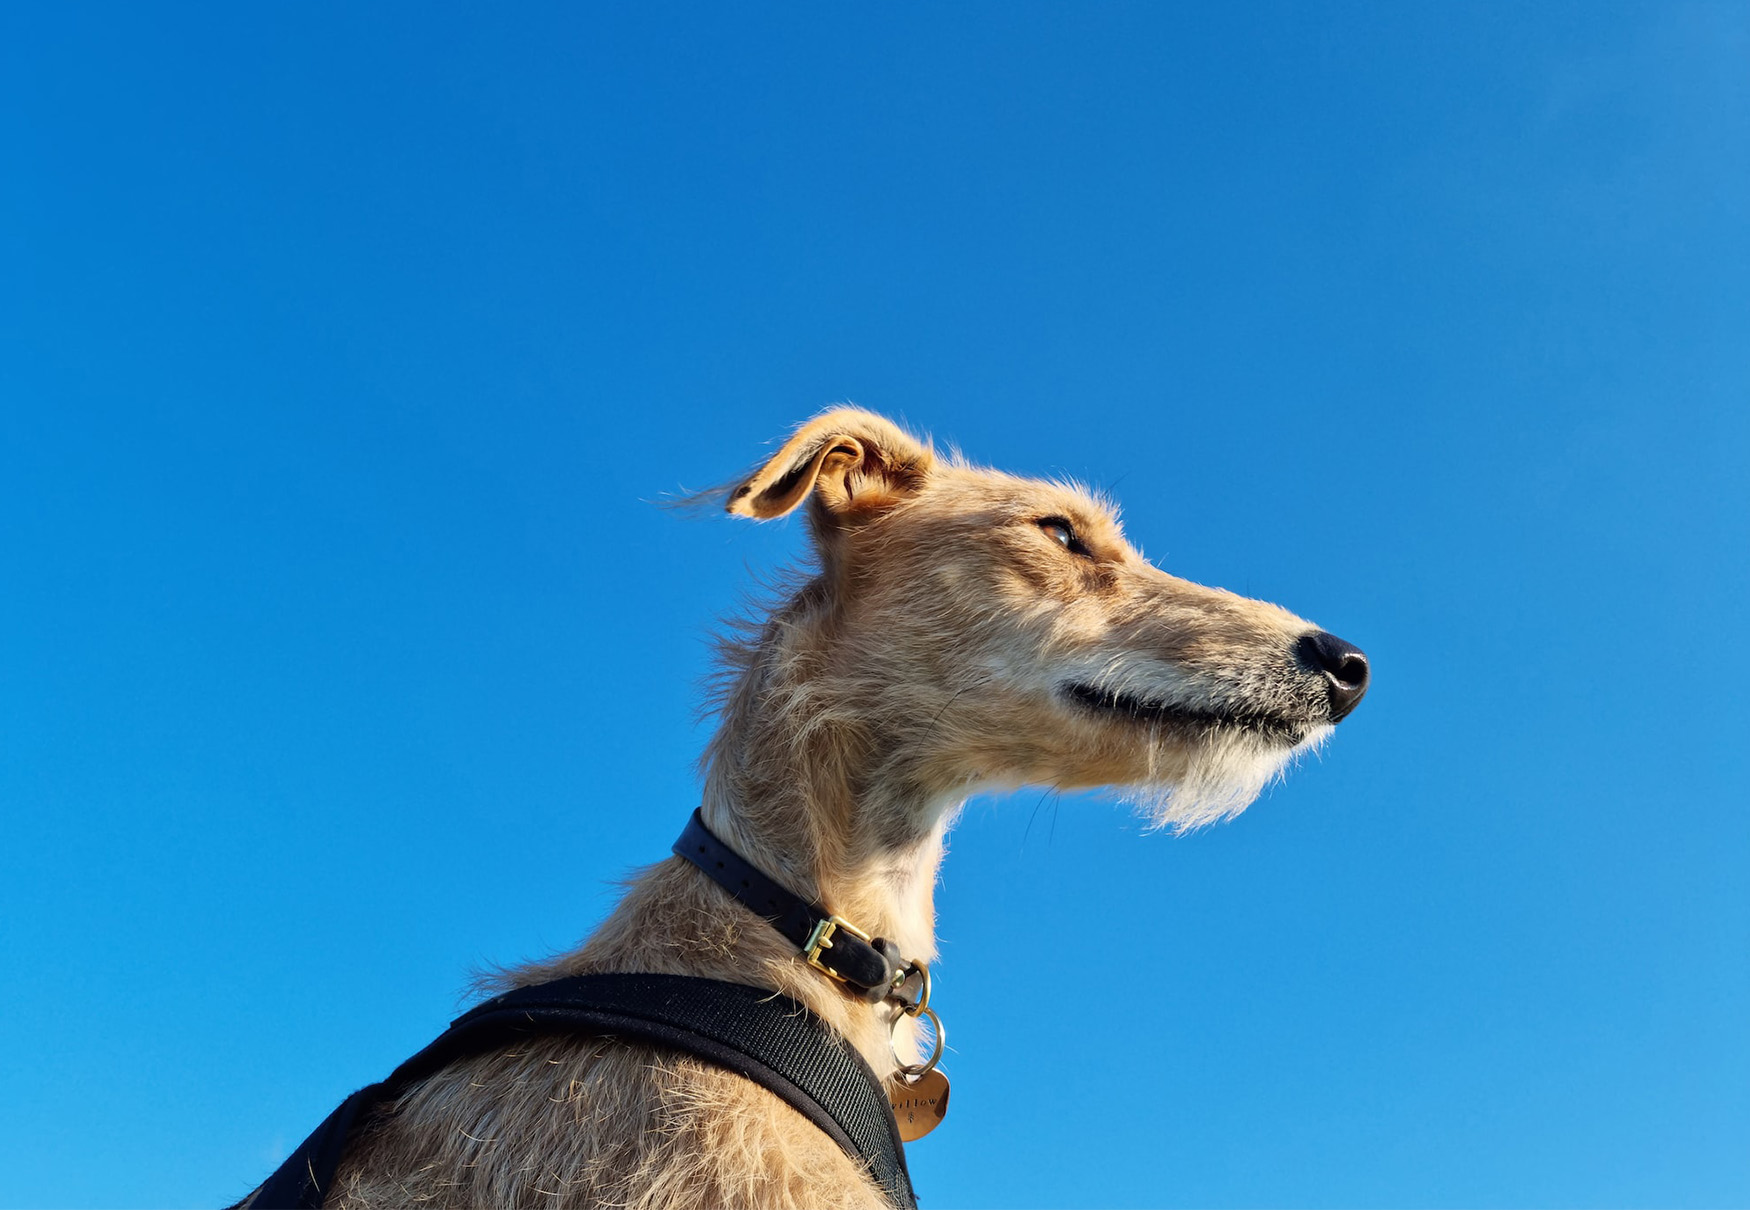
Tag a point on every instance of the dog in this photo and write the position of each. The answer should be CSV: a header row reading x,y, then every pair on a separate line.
x,y
961,630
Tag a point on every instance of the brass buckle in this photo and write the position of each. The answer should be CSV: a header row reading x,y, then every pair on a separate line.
x,y
821,939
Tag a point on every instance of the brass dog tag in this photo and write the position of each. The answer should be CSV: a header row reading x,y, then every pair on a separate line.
x,y
920,1106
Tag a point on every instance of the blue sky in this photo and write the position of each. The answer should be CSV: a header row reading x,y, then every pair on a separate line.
x,y
349,353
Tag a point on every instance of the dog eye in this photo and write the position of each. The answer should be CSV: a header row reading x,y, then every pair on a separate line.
x,y
1064,534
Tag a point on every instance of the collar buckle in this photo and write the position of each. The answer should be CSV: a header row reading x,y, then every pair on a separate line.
x,y
821,939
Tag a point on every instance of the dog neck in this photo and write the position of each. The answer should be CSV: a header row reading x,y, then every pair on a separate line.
x,y
817,780
824,795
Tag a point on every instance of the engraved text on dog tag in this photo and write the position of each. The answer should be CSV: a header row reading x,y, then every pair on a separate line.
x,y
919,1106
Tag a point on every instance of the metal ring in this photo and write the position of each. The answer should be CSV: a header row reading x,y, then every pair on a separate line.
x,y
923,1001
911,1071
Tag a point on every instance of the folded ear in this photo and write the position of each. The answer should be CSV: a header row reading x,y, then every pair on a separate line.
x,y
856,464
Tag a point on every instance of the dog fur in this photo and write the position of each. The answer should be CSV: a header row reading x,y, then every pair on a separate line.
x,y
961,630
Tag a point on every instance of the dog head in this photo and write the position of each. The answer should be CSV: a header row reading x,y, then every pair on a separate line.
x,y
976,629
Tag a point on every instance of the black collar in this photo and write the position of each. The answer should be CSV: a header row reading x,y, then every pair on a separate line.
x,y
870,966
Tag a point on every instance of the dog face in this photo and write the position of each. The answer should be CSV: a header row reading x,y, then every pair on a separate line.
x,y
1001,631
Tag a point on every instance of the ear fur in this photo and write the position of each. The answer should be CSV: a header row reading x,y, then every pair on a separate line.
x,y
855,463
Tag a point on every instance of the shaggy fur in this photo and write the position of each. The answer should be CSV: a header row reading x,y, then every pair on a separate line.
x,y
963,630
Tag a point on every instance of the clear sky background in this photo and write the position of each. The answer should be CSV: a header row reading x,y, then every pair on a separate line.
x,y
346,353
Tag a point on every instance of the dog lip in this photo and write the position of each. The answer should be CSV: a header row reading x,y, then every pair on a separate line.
x,y
1107,701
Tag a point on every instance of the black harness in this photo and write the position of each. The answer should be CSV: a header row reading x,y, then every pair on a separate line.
x,y
769,1038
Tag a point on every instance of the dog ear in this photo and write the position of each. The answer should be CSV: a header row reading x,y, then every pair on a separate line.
x,y
856,463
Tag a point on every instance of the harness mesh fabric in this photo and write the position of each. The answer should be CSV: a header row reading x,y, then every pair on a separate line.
x,y
768,1038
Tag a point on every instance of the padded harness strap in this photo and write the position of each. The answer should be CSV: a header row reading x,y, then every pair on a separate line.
x,y
770,1039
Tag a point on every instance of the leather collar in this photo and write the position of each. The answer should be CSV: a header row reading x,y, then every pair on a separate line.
x,y
871,967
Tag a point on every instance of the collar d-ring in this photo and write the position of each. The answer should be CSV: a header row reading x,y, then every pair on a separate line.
x,y
912,1008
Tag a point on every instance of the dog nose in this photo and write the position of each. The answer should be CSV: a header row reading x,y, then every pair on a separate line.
x,y
1343,666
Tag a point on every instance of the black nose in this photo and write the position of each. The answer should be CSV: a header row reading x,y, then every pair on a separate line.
x,y
1343,666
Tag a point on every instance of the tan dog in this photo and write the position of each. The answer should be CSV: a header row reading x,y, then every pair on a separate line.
x,y
966,630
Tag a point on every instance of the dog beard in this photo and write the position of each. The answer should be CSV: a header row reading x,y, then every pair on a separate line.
x,y
1221,776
